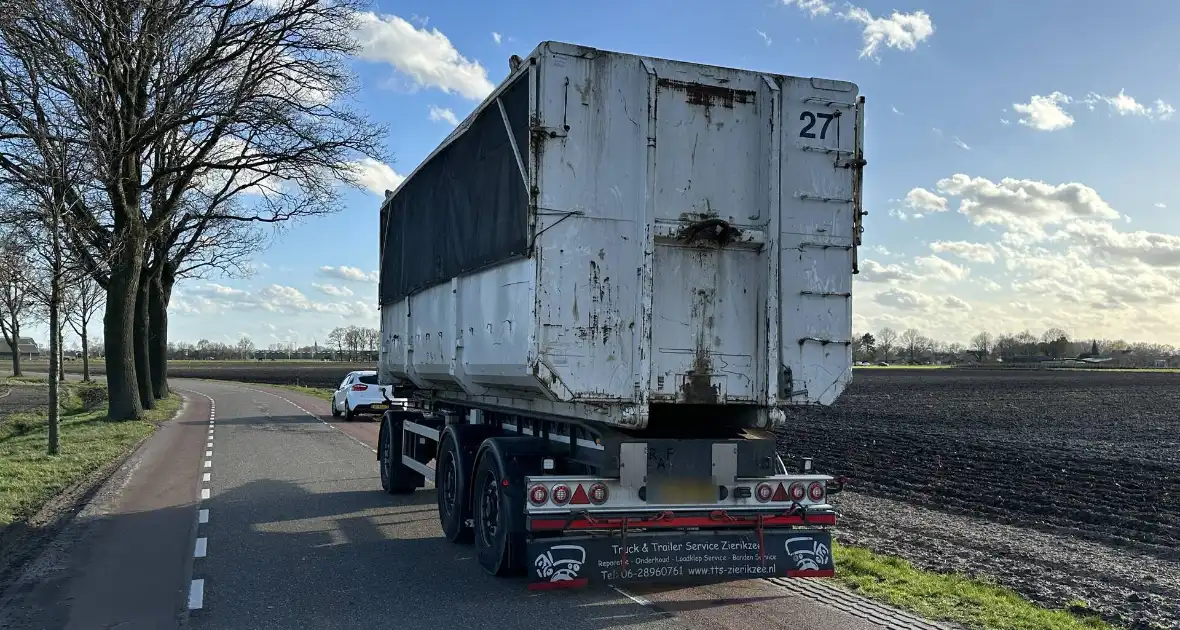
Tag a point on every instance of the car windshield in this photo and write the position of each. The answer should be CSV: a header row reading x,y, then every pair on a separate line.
x,y
368,379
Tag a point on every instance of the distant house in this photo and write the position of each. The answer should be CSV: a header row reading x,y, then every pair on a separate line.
x,y
28,349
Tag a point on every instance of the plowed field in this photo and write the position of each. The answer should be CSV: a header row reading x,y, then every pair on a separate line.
x,y
1088,455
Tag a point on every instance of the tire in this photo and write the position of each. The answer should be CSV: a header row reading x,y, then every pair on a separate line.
x,y
395,477
335,411
454,504
491,507
349,416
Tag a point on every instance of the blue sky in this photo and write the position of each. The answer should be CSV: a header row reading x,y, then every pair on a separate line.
x,y
1009,185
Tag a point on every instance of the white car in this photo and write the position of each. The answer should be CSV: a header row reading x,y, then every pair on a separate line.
x,y
359,393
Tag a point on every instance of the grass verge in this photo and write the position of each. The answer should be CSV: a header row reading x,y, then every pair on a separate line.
x,y
946,597
29,477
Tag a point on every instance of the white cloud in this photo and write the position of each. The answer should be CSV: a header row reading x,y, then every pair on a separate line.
x,y
904,299
974,252
1005,121
438,114
953,302
1024,206
940,269
896,111
1160,204
332,290
1061,259
426,56
210,299
344,272
922,199
903,31
814,7
1125,105
376,177
764,36
873,271
1044,113
961,144
496,36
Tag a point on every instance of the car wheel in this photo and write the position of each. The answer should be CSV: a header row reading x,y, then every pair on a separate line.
x,y
335,411
348,415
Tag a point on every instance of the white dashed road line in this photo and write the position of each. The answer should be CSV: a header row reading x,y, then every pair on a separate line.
x,y
196,591
196,594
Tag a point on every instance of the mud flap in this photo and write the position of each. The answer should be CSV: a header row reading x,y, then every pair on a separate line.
x,y
572,562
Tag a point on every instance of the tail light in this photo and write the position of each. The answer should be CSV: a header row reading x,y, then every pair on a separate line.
x,y
763,492
816,491
561,494
538,494
359,387
598,493
797,492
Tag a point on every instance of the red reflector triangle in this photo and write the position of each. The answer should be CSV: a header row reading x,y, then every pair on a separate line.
x,y
580,497
780,494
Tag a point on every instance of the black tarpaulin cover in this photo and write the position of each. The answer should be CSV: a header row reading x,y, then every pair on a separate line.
x,y
465,209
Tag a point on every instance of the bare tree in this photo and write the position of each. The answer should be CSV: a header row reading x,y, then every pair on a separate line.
x,y
913,342
981,344
165,94
885,340
15,299
86,300
245,347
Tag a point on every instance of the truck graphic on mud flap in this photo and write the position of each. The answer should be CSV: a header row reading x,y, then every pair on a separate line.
x,y
560,563
808,553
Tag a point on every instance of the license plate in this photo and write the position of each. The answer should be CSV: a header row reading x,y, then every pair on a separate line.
x,y
682,491
379,406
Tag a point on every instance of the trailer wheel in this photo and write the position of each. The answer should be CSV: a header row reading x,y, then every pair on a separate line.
x,y
453,493
396,478
493,521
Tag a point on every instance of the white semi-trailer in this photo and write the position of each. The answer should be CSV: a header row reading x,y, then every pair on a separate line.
x,y
599,295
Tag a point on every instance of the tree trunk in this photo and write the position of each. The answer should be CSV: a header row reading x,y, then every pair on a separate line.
x,y
119,333
160,293
54,363
16,348
61,350
85,354
55,337
143,364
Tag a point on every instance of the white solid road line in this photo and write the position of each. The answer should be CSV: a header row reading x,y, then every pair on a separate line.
x,y
201,548
196,594
635,598
328,424
203,516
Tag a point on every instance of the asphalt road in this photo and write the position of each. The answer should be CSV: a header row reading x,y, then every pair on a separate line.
x,y
256,509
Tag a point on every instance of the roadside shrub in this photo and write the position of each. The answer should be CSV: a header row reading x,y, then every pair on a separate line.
x,y
92,395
